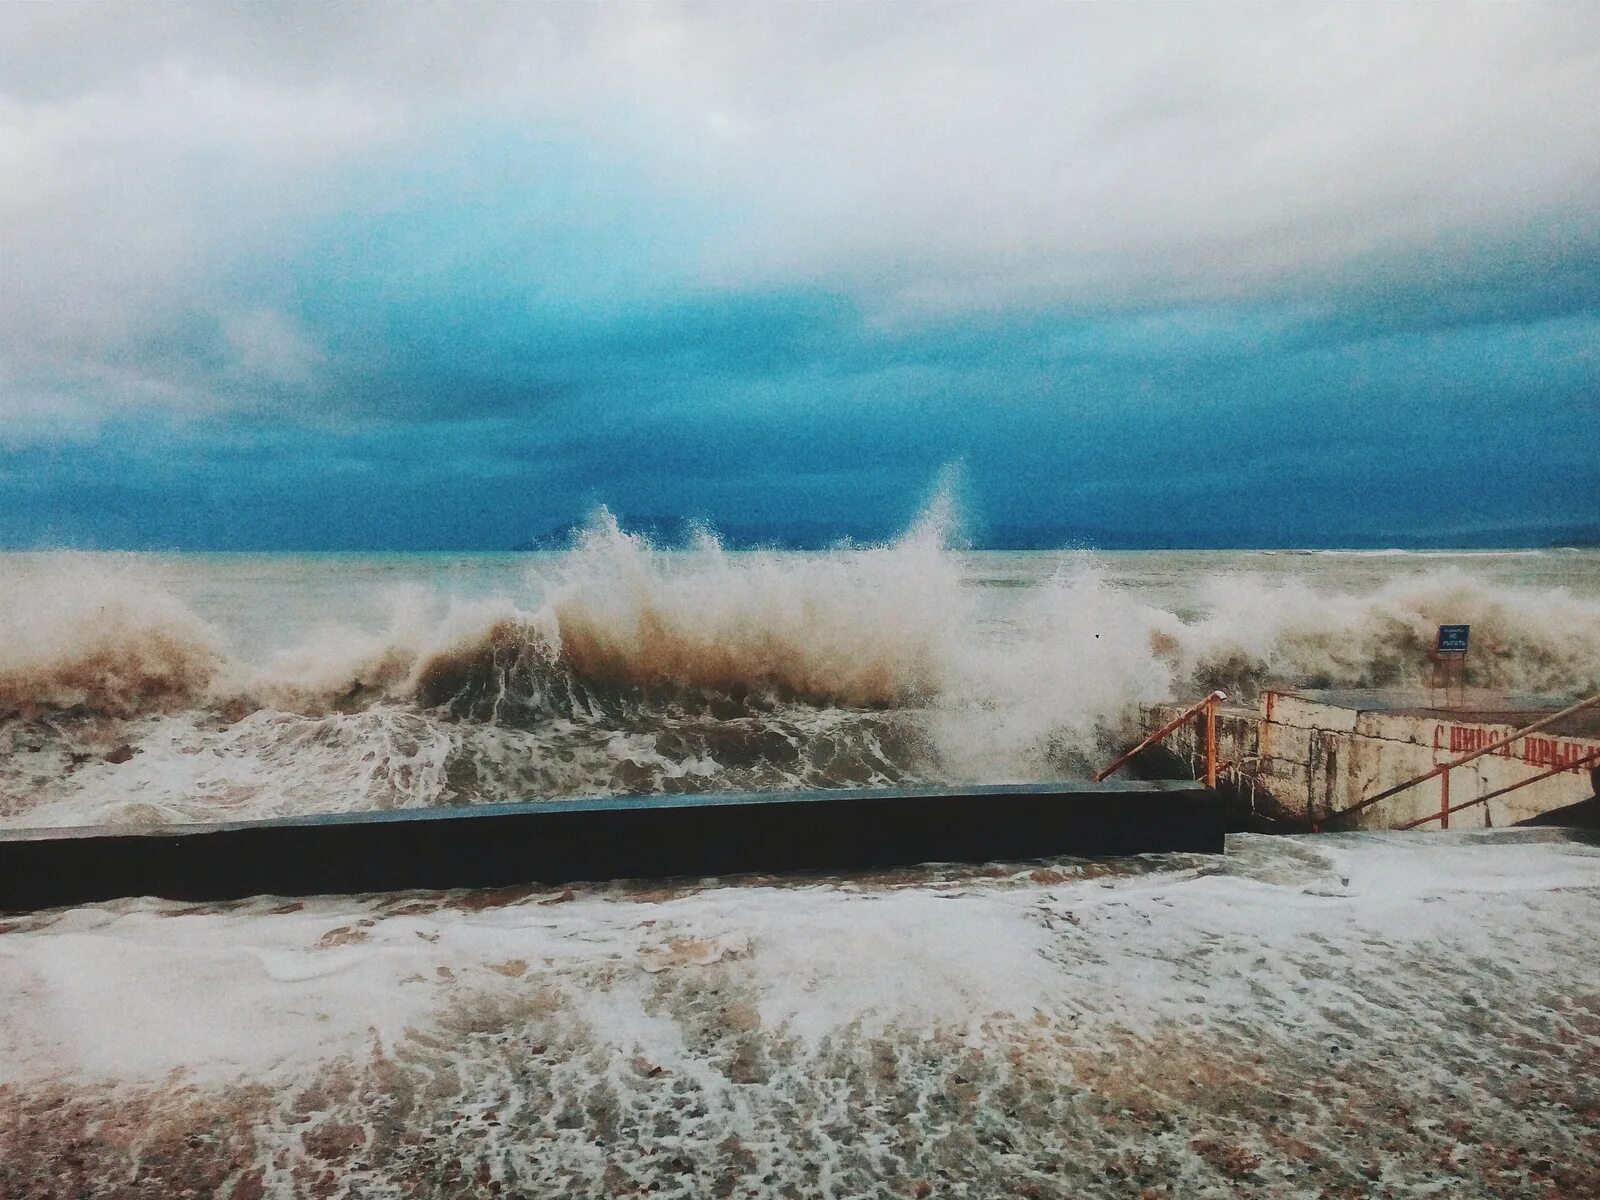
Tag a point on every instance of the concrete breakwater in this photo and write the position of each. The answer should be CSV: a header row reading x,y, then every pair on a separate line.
x,y
611,837
1308,756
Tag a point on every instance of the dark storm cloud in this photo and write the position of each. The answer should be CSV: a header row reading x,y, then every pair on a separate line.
x,y
282,275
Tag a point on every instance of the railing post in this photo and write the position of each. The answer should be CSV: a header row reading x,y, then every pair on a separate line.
x,y
1444,799
1151,739
1443,769
1592,757
1211,741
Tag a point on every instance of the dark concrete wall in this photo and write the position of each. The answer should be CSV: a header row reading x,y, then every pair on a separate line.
x,y
623,837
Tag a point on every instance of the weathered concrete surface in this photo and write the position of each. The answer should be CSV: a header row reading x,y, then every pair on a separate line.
x,y
1307,756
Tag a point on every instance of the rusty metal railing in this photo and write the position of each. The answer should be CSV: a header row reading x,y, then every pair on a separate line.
x,y
1443,817
1442,772
1210,705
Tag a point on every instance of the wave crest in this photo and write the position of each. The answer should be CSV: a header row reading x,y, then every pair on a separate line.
x,y
1524,639
621,666
100,634
867,628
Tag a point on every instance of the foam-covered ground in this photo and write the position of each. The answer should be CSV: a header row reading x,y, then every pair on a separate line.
x,y
1350,1015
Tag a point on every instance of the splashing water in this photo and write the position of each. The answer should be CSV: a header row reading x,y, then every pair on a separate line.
x,y
151,688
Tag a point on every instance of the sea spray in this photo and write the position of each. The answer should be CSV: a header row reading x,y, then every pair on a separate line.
x,y
1525,639
860,628
99,633
621,666
1037,696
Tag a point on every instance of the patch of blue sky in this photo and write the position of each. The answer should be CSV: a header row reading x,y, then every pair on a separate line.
x,y
544,216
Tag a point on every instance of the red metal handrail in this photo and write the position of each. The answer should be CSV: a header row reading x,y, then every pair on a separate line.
x,y
1210,705
1443,769
1442,816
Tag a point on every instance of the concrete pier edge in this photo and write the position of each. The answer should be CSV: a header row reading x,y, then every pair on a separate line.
x,y
622,837
1305,757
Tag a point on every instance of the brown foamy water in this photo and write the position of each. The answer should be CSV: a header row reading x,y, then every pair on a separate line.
x,y
153,688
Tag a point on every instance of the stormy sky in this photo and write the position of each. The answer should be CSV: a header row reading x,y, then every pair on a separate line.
x,y
449,277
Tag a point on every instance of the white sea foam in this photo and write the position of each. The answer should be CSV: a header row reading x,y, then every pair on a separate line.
x,y
110,990
620,667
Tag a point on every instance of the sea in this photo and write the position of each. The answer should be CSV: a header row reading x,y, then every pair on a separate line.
x,y
156,688
1305,1016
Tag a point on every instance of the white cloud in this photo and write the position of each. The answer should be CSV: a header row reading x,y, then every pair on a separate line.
x,y
1085,153
271,348
935,156
117,207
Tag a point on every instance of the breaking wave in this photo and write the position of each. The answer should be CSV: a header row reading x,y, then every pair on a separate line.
x,y
1526,640
80,635
620,666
